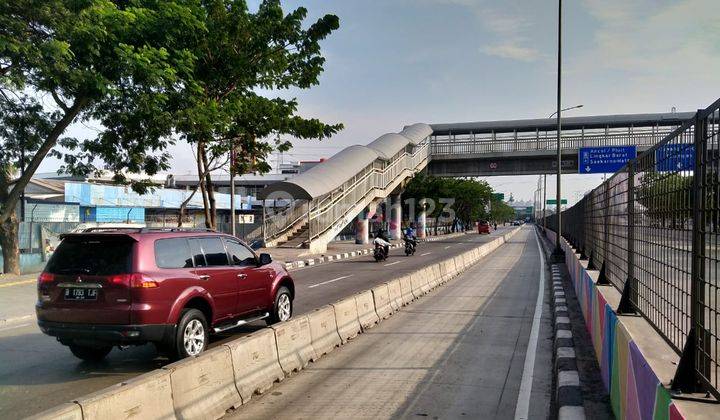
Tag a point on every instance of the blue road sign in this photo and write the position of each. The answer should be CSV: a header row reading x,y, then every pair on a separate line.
x,y
596,160
675,157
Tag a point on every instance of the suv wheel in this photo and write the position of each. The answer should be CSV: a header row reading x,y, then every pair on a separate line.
x,y
191,336
282,309
90,354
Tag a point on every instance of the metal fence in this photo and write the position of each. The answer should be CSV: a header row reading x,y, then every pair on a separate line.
x,y
653,231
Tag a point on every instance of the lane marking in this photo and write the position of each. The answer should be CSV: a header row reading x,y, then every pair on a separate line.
x,y
427,253
12,327
522,408
18,283
329,281
392,263
448,246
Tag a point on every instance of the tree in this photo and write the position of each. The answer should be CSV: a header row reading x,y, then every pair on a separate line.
x,y
667,198
117,63
501,212
238,56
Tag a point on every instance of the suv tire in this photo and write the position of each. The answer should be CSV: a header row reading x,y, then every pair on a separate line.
x,y
90,354
282,308
191,335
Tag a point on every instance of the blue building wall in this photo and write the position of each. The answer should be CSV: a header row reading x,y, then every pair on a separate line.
x,y
112,214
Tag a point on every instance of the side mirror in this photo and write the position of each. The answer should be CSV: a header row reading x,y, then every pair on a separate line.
x,y
264,259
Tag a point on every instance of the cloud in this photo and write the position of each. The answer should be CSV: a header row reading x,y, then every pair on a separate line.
x,y
511,51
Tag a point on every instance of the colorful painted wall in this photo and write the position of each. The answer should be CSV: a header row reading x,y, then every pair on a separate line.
x,y
635,391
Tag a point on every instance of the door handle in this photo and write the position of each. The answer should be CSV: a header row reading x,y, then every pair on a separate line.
x,y
204,277
242,276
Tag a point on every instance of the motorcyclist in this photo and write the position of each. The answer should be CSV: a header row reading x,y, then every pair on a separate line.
x,y
382,240
410,236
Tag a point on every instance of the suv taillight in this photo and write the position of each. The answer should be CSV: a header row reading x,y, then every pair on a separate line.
x,y
46,277
133,280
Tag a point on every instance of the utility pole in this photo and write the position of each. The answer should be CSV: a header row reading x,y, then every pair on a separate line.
x,y
544,200
558,254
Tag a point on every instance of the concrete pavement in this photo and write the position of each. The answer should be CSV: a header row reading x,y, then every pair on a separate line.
x,y
37,373
458,352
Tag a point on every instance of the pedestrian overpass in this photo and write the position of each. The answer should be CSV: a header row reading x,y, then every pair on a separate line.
x,y
351,184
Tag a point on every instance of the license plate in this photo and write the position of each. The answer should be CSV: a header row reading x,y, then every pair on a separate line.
x,y
80,294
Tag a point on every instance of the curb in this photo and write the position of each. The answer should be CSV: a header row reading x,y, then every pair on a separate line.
x,y
568,394
294,265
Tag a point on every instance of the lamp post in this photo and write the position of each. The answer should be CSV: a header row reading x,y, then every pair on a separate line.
x,y
558,252
566,109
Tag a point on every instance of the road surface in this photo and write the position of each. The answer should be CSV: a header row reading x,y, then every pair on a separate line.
x,y
37,373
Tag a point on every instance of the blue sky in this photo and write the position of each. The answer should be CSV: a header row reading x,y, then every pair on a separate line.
x,y
396,62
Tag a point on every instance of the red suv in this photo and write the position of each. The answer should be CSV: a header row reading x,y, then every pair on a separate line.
x,y
168,287
483,227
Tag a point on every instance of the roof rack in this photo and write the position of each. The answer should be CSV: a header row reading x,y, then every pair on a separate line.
x,y
175,229
107,229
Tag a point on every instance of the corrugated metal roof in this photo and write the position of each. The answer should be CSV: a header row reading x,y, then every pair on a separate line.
x,y
389,144
568,123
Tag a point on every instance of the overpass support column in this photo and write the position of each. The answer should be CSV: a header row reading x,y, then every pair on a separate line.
x,y
421,221
396,217
362,227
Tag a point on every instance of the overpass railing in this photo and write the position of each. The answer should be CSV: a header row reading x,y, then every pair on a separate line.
x,y
474,144
653,231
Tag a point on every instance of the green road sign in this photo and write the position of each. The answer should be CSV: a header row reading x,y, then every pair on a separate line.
x,y
554,201
529,210
499,196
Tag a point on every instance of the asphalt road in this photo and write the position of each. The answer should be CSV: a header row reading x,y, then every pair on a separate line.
x,y
37,373
457,353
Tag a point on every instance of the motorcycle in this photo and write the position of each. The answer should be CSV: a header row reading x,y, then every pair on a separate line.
x,y
409,248
379,254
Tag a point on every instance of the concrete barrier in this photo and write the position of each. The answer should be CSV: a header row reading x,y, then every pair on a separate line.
x,y
459,264
381,297
426,275
323,331
395,294
366,310
346,317
67,411
419,284
437,274
406,289
204,387
255,363
433,280
294,345
147,396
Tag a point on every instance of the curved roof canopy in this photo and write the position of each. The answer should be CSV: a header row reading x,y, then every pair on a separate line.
x,y
332,173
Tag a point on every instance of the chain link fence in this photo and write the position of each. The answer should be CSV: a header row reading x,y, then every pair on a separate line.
x,y
653,231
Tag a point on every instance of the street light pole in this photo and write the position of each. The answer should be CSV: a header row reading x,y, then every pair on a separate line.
x,y
558,250
566,109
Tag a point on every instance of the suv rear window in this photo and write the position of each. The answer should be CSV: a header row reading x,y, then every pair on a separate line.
x,y
92,255
173,253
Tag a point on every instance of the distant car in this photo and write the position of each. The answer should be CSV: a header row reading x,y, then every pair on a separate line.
x,y
483,227
168,287
517,223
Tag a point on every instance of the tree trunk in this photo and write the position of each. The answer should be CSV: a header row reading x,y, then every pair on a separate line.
x,y
10,246
209,191
201,175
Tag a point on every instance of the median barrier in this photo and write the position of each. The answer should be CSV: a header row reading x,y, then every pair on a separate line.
x,y
66,411
437,274
255,363
323,331
366,310
419,285
424,280
433,281
346,317
406,289
395,294
204,387
381,297
294,345
148,396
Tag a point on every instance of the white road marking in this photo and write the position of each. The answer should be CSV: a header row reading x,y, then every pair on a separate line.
x,y
392,263
522,408
427,253
329,281
14,326
448,246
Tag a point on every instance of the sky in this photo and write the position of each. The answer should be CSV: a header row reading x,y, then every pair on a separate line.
x,y
397,62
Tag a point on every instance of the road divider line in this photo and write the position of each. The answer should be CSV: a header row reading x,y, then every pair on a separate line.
x,y
329,281
392,263
18,283
427,253
448,246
